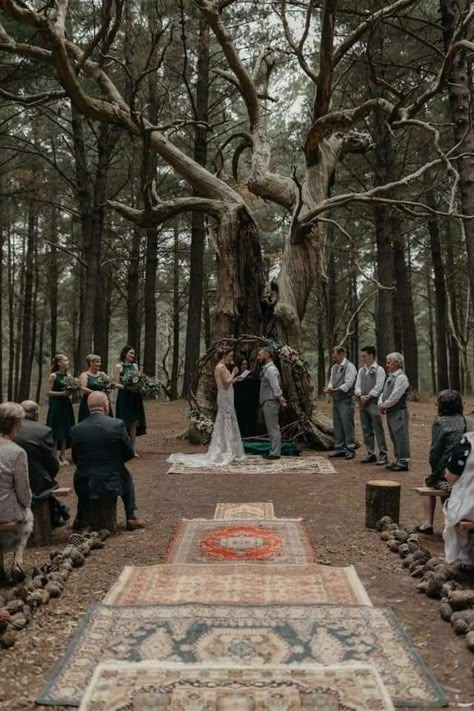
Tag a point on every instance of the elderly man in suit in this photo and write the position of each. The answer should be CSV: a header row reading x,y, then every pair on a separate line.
x,y
271,399
393,404
43,465
100,446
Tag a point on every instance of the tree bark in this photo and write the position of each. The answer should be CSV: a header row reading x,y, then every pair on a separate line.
x,y
176,315
384,309
102,316
459,87
149,296
407,312
133,294
382,498
441,307
11,317
198,229
53,275
451,289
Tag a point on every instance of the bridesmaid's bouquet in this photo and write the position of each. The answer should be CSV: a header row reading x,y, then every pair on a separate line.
x,y
71,384
140,383
105,383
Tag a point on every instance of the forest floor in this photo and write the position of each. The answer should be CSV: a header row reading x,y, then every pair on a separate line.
x,y
333,507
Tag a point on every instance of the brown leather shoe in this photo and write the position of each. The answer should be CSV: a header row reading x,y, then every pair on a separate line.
x,y
133,524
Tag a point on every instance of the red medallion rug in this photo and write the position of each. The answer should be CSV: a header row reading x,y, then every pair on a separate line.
x,y
282,541
241,583
147,686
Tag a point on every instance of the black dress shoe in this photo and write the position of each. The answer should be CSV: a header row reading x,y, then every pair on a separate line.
x,y
428,531
271,456
350,455
397,467
337,453
369,459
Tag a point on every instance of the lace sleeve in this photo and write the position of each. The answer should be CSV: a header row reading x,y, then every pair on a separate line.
x,y
22,484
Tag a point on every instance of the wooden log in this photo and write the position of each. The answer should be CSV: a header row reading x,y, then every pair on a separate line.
x,y
382,498
62,491
103,514
41,535
467,525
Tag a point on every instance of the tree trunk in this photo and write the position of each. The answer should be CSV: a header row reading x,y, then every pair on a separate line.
x,y
40,357
441,306
27,318
384,308
382,498
407,312
133,294
102,316
459,86
11,317
149,295
176,315
198,230
431,338
451,289
53,275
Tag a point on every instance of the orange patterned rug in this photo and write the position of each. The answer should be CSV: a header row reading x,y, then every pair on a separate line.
x,y
282,541
241,583
180,687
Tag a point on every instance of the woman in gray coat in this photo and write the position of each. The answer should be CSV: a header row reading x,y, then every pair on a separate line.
x,y
15,492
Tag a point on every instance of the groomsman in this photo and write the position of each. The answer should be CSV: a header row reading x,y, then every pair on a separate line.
x,y
368,388
393,403
341,387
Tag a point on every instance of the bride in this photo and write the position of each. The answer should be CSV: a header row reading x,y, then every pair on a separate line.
x,y
226,444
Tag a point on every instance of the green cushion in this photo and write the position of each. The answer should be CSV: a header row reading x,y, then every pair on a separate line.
x,y
288,449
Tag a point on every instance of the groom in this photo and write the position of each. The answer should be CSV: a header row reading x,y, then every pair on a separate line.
x,y
271,399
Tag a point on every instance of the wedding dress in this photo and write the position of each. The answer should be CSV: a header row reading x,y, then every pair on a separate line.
x,y
226,444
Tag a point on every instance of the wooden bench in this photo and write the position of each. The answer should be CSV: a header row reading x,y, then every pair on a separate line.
x,y
466,525
426,491
62,491
41,535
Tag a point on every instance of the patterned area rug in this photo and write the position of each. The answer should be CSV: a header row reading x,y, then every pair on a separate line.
x,y
150,686
282,541
246,636
259,465
241,583
229,512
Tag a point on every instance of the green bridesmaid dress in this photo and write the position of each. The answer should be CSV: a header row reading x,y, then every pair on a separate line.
x,y
129,404
83,408
60,413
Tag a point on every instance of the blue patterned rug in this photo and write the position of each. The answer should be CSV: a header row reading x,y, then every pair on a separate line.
x,y
245,635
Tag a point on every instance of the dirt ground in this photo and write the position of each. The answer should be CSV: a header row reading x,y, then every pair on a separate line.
x,y
333,507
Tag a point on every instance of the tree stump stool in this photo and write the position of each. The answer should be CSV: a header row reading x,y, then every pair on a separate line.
x,y
103,514
382,498
41,535
5,527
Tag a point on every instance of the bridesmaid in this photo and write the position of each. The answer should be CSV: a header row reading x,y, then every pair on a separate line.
x,y
88,381
129,404
60,413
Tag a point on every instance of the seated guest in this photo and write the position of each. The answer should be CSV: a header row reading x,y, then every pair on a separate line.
x,y
393,403
15,492
446,431
246,390
43,465
100,446
458,543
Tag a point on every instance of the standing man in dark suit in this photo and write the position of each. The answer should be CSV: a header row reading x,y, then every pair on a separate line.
x,y
43,465
100,446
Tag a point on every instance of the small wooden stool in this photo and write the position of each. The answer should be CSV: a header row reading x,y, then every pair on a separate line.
x,y
103,514
382,498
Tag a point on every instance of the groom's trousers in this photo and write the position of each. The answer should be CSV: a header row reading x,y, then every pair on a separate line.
x,y
271,409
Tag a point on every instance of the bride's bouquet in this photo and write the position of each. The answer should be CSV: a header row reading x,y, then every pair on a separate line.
x,y
202,424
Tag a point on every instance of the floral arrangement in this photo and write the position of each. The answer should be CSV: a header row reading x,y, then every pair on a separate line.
x,y
203,424
289,356
71,384
105,383
140,383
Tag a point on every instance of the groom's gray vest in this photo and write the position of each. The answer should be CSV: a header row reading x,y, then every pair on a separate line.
x,y
266,392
